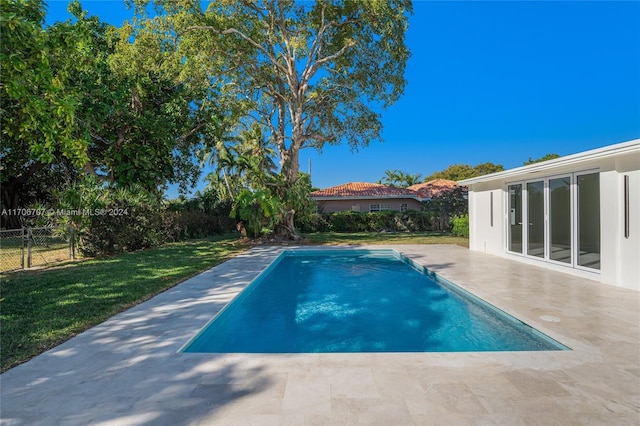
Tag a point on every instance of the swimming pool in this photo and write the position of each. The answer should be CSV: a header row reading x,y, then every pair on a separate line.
x,y
360,301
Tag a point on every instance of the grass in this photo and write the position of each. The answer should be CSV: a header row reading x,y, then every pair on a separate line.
x,y
373,238
40,309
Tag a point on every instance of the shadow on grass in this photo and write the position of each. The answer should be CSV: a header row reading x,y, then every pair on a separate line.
x,y
128,369
40,309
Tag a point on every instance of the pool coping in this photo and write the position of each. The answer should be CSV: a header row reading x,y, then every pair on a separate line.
x,y
128,370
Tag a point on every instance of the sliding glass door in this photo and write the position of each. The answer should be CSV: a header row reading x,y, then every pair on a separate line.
x,y
515,218
561,218
535,219
589,220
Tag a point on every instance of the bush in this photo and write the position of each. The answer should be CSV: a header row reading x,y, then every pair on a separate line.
x,y
460,226
348,221
134,218
132,221
312,223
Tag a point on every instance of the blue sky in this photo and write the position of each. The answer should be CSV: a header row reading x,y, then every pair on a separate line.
x,y
491,81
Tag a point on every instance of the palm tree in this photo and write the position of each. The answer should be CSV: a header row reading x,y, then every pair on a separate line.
x,y
407,179
397,178
242,161
391,178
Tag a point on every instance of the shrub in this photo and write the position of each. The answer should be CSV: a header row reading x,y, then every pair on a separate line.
x,y
128,220
461,226
348,221
313,223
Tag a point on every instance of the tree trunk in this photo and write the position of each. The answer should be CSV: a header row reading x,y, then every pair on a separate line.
x,y
9,202
11,191
285,229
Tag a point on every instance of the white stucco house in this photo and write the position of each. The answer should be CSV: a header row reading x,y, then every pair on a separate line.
x,y
579,214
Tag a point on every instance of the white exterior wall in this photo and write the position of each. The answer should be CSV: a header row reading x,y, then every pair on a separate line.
x,y
624,268
619,256
483,236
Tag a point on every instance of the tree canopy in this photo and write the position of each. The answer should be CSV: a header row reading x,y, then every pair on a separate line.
x,y
78,98
247,83
308,73
541,159
465,171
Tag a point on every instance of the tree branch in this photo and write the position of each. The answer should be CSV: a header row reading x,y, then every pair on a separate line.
x,y
242,35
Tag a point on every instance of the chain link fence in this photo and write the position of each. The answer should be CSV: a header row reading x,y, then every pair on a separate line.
x,y
29,247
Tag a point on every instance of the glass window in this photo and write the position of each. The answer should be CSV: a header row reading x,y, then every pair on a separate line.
x,y
589,220
560,219
535,219
403,207
515,218
374,207
355,207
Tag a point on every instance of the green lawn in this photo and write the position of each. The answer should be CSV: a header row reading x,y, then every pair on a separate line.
x,y
363,238
43,308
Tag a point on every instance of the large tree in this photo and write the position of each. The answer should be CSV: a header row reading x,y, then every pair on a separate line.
x,y
308,73
465,171
141,123
38,146
78,98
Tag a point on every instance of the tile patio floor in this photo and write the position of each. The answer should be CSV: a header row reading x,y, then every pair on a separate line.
x,y
127,370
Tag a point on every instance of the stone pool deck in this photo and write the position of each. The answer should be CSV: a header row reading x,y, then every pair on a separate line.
x,y
128,371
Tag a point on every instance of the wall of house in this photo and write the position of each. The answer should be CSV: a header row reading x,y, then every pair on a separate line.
x,y
331,206
621,266
619,254
486,218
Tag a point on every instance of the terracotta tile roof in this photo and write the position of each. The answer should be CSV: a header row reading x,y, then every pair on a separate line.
x,y
363,189
433,188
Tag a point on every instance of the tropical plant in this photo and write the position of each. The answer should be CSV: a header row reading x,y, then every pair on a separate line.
x,y
400,179
109,219
257,209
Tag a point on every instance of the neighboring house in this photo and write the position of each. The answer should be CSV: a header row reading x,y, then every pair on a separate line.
x,y
374,197
365,197
433,188
579,214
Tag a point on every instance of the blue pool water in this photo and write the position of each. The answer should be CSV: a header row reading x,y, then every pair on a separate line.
x,y
360,301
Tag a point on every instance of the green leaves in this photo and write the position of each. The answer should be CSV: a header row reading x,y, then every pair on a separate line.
x,y
258,209
36,108
464,171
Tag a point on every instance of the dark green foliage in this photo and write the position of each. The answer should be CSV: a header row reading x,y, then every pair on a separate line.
x,y
458,172
110,220
389,221
446,206
313,223
541,159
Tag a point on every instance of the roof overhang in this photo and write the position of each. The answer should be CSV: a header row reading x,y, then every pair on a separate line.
x,y
574,160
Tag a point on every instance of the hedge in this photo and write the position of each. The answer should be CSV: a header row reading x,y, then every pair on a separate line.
x,y
348,221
